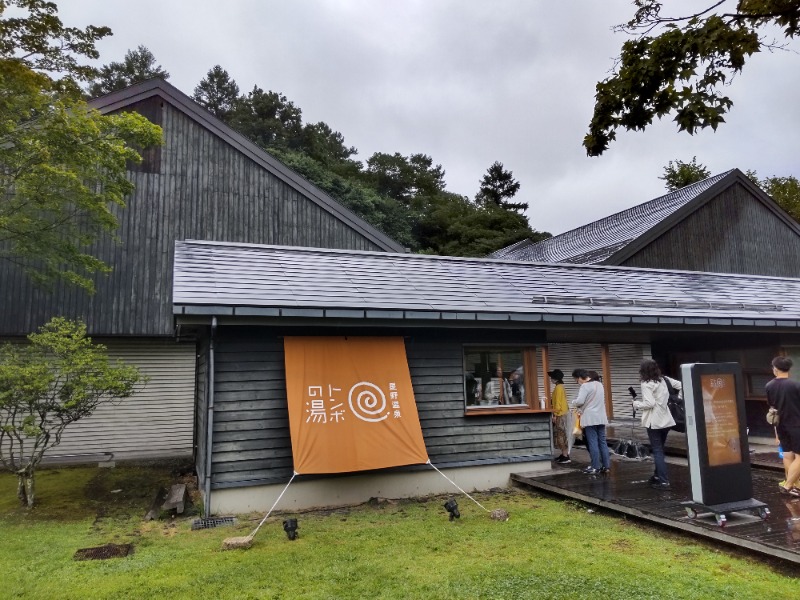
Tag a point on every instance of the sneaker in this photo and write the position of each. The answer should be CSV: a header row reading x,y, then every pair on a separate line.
x,y
563,460
655,479
661,485
604,470
590,471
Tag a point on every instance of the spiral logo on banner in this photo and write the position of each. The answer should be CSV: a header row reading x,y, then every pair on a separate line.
x,y
367,401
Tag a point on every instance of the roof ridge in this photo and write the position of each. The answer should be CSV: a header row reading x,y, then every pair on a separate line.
x,y
594,240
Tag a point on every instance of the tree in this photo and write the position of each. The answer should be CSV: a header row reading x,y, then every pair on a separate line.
x,y
784,190
37,41
454,226
409,180
269,119
684,67
217,92
59,378
497,187
383,212
327,147
679,174
138,65
64,165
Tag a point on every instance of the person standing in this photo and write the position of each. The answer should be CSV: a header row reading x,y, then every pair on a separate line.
x,y
656,417
560,412
783,394
591,405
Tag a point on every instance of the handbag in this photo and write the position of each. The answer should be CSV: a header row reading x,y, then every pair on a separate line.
x,y
577,430
772,416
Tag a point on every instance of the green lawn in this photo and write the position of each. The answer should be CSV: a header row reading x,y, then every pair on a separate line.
x,y
547,549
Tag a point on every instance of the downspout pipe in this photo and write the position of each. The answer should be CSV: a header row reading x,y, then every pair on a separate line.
x,y
210,419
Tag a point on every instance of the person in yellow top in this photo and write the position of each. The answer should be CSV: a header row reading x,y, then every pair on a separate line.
x,y
560,410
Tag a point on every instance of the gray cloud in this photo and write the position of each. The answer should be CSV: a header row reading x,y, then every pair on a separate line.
x,y
465,81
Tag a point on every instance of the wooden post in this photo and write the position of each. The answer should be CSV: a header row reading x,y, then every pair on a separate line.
x,y
606,363
545,376
529,357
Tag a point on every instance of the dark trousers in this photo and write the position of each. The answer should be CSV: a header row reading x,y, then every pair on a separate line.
x,y
658,438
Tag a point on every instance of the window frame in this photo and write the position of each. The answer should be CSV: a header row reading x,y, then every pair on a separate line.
x,y
531,381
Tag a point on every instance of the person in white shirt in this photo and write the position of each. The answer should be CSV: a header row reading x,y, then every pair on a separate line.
x,y
656,416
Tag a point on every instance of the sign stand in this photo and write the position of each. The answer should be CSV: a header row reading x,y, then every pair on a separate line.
x,y
716,433
721,510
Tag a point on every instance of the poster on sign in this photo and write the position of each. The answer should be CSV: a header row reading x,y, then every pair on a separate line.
x,y
351,404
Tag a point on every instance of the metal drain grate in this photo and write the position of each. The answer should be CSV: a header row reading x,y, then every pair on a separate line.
x,y
210,523
103,552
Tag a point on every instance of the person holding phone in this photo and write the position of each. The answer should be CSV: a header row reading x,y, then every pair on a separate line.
x,y
656,416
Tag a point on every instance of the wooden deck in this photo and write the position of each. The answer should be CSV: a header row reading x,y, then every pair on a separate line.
x,y
626,490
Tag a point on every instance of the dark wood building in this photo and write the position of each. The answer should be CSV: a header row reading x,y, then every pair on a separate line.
x,y
205,182
460,318
723,224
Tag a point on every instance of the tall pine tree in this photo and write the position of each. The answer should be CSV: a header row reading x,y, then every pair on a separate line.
x,y
498,186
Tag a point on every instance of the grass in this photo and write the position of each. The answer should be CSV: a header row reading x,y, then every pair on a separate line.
x,y
547,549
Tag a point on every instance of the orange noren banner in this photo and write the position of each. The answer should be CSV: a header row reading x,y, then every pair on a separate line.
x,y
351,404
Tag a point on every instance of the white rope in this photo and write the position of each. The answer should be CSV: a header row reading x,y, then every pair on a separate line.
x,y
455,484
255,531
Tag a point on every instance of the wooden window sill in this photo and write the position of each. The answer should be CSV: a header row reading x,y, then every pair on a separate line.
x,y
504,410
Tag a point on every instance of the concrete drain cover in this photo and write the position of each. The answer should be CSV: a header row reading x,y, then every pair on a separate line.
x,y
103,552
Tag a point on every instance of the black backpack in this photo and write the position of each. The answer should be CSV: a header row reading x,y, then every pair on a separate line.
x,y
676,408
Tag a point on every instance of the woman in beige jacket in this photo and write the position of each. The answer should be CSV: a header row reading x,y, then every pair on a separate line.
x,y
656,416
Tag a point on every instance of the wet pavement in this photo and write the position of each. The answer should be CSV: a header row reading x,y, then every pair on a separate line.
x,y
626,490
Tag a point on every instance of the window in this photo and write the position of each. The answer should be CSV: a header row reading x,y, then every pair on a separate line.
x,y
500,379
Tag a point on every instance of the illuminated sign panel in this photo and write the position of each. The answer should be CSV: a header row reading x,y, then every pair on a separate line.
x,y
721,419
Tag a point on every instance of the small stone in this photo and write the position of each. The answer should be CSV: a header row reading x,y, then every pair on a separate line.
x,y
499,514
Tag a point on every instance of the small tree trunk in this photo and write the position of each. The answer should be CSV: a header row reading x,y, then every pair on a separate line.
x,y
26,489
30,489
23,497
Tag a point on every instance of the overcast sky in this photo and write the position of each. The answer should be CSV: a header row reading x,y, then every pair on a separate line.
x,y
467,82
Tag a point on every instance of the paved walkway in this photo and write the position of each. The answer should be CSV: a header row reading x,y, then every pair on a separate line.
x,y
626,490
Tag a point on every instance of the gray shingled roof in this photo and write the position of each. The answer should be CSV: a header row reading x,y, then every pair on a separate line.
x,y
597,241
122,99
217,278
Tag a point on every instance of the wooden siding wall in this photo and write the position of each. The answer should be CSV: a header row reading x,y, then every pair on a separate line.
x,y
156,421
733,233
205,190
251,420
251,442
437,375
